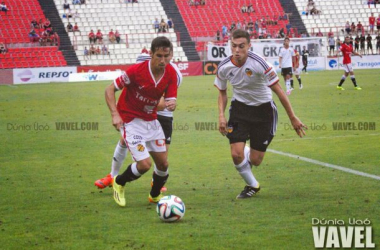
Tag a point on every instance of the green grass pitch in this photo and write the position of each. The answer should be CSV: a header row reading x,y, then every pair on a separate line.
x,y
48,199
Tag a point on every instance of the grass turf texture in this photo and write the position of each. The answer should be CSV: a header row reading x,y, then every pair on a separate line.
x,y
49,201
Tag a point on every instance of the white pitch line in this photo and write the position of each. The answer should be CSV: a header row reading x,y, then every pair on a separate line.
x,y
326,137
348,170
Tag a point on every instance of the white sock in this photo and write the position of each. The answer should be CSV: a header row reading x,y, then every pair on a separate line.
x,y
161,173
287,84
245,172
247,153
134,169
118,159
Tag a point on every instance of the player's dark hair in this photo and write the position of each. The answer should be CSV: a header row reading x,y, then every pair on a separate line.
x,y
286,38
241,33
160,42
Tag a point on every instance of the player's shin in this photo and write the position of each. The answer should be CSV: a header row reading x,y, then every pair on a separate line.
x,y
118,159
159,180
353,80
342,80
245,172
129,175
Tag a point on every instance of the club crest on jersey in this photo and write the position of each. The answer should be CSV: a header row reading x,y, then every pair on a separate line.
x,y
248,72
140,148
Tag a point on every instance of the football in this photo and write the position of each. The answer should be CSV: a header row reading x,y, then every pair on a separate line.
x,y
170,208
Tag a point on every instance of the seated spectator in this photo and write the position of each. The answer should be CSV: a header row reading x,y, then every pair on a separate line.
x,y
3,7
144,51
69,27
156,25
105,50
66,6
111,36
69,14
353,27
99,37
86,53
33,36
359,28
282,33
250,9
117,35
170,23
47,24
41,24
203,2
3,49
97,51
92,50
319,34
348,27
191,3
76,28
244,9
233,27
76,2
163,26
76,14
92,37
34,24
53,39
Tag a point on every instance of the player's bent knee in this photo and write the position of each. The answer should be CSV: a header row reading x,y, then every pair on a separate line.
x,y
256,162
237,157
163,166
144,165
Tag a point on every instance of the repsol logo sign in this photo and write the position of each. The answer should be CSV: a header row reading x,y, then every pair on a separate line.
x,y
54,74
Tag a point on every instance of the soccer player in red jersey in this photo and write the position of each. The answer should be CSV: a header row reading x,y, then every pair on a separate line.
x,y
347,51
135,116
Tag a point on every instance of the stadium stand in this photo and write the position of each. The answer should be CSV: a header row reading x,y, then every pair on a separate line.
x,y
133,21
15,26
335,14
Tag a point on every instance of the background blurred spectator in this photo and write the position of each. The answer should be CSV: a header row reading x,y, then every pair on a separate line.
x,y
76,28
3,7
117,35
69,27
111,36
3,49
66,6
86,53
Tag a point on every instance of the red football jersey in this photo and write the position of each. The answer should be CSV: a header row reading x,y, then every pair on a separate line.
x,y
347,51
141,93
372,20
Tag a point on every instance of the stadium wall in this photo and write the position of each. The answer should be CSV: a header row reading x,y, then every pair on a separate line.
x,y
6,76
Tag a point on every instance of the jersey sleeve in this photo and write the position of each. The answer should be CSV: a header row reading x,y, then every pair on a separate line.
x,y
123,80
179,74
171,91
269,73
220,79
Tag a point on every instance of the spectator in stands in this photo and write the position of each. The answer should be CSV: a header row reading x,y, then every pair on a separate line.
x,y
264,26
41,24
99,37
69,27
330,34
348,27
92,37
371,20
86,53
285,17
244,9
97,51
233,27
191,3
163,26
47,24
156,25
337,45
34,24
357,42
83,1
282,33
117,36
3,7
105,50
203,2
144,51
76,28
359,27
76,14
288,27
376,2
33,36
319,33
250,9
76,2
257,26
353,28
170,24
224,31
369,3
69,15
54,39
66,6
3,49
378,23
369,43
111,36
331,42
238,25
218,35
92,50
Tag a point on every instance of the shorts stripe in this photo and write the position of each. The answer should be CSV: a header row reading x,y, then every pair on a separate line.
x,y
126,142
275,118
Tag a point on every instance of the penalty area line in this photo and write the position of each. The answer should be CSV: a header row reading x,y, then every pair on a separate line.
x,y
324,164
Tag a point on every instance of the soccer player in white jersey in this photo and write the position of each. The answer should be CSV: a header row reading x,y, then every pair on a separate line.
x,y
164,116
253,114
286,60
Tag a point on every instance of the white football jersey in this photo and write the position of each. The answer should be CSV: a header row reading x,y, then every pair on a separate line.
x,y
287,57
250,82
142,58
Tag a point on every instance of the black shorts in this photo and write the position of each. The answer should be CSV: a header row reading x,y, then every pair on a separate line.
x,y
377,45
378,27
167,126
332,47
255,123
369,46
286,71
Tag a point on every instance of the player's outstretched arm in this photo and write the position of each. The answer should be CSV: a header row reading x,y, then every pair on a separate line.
x,y
296,123
117,122
222,104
